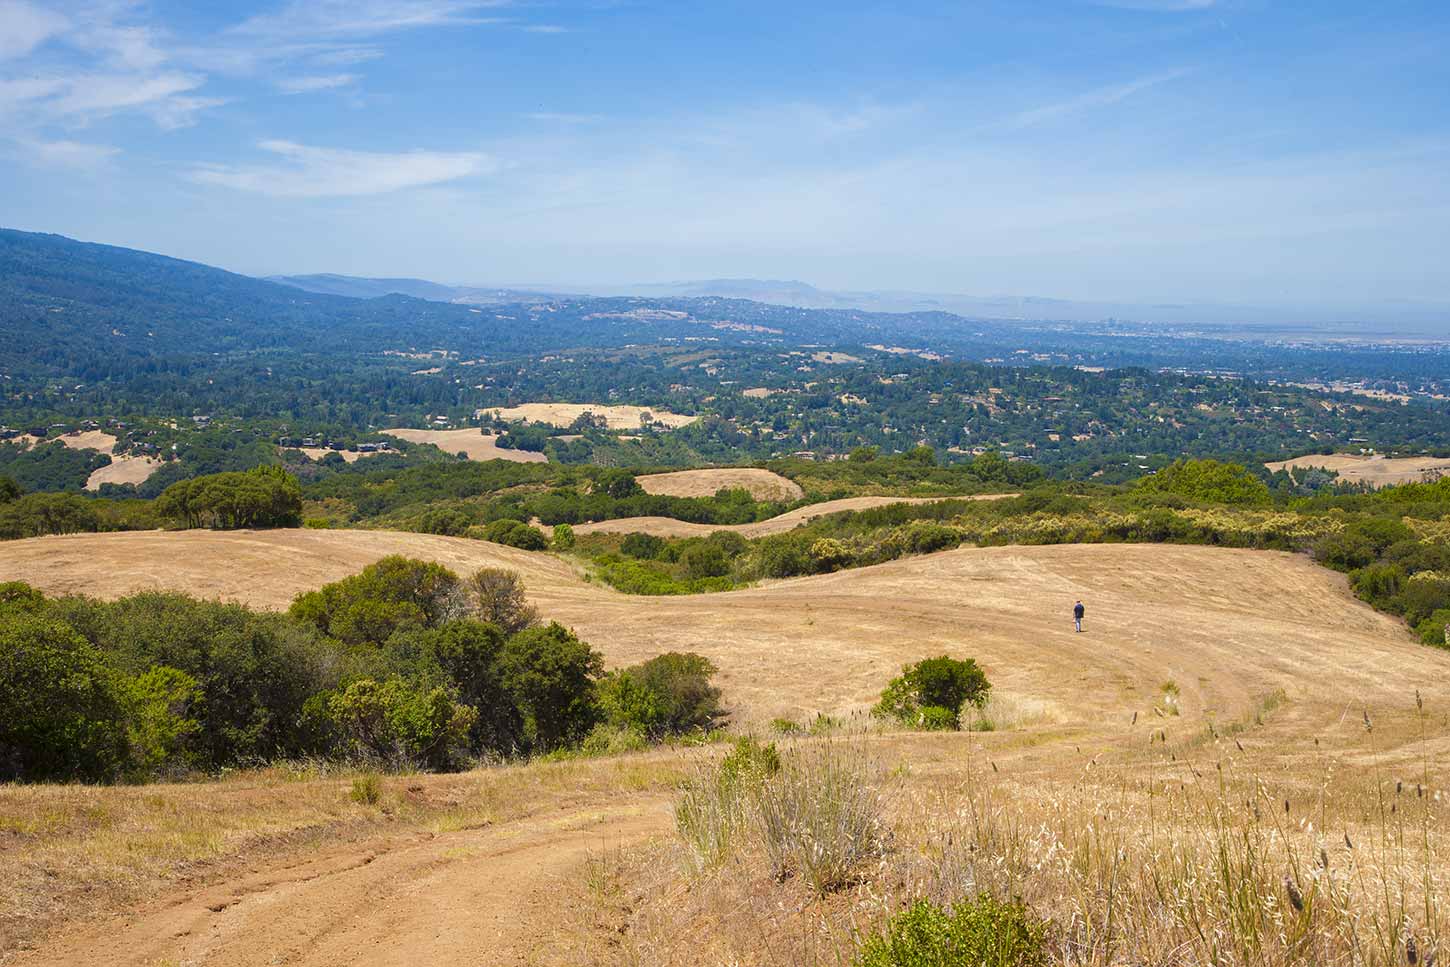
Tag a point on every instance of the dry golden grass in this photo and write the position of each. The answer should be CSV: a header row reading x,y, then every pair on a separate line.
x,y
791,519
1146,836
478,446
564,414
124,470
762,484
1375,471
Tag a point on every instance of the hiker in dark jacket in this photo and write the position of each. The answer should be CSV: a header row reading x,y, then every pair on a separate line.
x,y
1077,612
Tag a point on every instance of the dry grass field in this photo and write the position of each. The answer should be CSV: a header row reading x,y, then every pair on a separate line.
x,y
478,446
762,484
1375,471
791,519
124,470
121,470
1230,721
564,414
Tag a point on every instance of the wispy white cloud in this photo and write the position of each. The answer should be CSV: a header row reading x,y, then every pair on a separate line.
x,y
346,56
302,171
24,27
75,155
315,82
1099,97
544,29
363,18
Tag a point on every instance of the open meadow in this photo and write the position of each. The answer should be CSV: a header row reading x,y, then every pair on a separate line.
x,y
1232,731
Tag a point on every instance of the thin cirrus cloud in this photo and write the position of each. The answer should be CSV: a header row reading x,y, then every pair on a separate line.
x,y
1096,98
363,18
75,155
303,171
316,82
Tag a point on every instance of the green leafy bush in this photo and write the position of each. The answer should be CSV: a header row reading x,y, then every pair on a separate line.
x,y
402,723
645,547
942,685
1208,481
667,695
265,496
551,675
64,707
515,533
983,932
934,718
563,537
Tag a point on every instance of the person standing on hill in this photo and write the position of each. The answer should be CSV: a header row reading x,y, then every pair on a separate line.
x,y
1077,612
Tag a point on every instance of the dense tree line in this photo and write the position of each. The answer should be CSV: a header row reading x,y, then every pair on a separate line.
x,y
265,496
405,665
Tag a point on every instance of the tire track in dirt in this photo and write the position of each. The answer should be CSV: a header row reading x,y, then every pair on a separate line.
x,y
474,896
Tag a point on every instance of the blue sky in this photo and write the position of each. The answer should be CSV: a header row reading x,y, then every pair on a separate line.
x,y
1208,150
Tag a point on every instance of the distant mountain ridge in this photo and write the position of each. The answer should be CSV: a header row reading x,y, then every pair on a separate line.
x,y
1211,318
362,287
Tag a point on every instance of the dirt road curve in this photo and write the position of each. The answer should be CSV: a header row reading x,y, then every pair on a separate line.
x,y
466,897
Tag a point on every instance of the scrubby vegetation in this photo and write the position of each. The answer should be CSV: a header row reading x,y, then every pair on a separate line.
x,y
931,693
402,665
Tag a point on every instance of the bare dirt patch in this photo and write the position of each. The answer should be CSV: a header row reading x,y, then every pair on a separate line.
x,y
835,359
317,453
124,470
762,484
478,446
1373,470
90,440
564,414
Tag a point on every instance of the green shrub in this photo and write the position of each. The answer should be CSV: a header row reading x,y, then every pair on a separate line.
x,y
1208,481
645,547
943,683
515,533
160,727
610,739
391,594
705,560
64,710
563,537
551,675
1432,629
934,718
984,932
402,723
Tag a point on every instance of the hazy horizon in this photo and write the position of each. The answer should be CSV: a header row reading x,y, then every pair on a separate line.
x,y
1137,152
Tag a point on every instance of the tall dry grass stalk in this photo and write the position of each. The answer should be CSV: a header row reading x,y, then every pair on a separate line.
x,y
1226,849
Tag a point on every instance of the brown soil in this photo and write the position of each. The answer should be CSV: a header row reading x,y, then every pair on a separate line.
x,y
762,484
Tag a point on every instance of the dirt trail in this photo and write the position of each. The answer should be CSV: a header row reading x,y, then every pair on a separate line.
x,y
790,520
475,896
